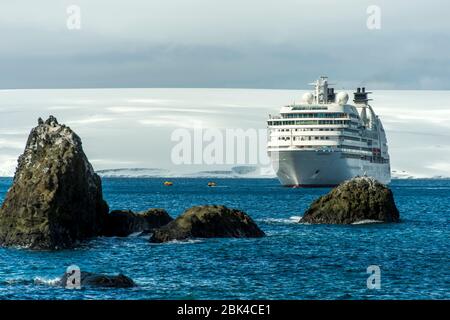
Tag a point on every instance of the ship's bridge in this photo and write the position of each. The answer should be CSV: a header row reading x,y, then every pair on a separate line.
x,y
323,114
317,108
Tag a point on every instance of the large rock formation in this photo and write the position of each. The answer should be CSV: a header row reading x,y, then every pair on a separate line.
x,y
90,279
122,223
208,222
358,199
56,198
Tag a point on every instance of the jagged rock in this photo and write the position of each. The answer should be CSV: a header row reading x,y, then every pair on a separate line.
x,y
100,280
208,222
156,218
122,223
56,198
358,199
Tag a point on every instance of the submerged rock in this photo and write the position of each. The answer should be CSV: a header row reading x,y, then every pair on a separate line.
x,y
56,198
121,223
355,200
100,280
208,222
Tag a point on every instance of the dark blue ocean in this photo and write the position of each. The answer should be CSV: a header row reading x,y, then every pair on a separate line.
x,y
294,261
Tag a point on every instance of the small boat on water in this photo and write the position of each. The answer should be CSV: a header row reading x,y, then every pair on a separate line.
x,y
211,184
168,183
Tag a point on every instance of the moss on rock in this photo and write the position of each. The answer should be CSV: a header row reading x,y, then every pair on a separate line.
x,y
355,200
208,222
56,198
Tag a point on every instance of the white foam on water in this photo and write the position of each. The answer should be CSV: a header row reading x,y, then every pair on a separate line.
x,y
304,223
291,220
187,241
172,242
135,234
46,281
367,221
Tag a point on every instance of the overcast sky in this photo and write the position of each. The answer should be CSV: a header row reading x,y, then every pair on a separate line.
x,y
224,43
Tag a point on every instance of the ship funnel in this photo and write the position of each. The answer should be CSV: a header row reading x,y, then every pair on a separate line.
x,y
361,95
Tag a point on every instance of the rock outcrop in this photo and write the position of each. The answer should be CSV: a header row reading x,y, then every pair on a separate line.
x,y
89,279
122,223
355,200
56,198
208,222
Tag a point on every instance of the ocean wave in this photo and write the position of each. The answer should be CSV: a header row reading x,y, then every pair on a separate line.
x,y
290,220
16,281
135,234
187,241
360,222
367,221
36,280
46,281
304,223
145,236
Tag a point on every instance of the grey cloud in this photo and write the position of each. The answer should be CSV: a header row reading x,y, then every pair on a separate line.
x,y
230,44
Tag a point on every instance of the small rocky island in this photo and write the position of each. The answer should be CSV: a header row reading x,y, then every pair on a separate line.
x,y
208,222
56,199
356,200
89,279
122,223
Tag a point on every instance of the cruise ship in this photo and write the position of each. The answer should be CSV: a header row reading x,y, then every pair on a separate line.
x,y
325,140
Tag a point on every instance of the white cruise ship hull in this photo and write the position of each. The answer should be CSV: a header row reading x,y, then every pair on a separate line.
x,y
301,168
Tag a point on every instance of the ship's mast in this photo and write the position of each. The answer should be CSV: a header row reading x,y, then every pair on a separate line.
x,y
322,94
